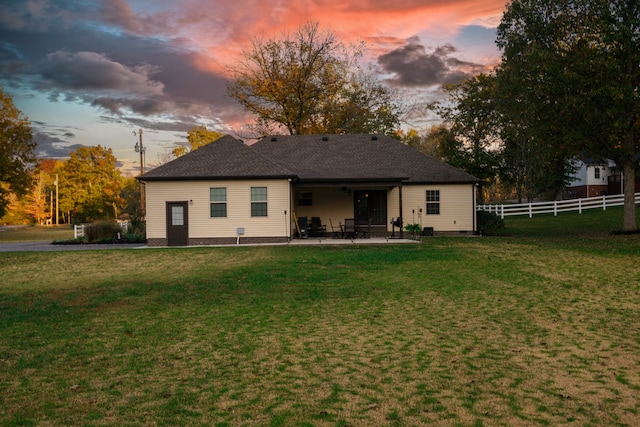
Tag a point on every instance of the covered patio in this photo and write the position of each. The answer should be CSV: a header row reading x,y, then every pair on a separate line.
x,y
347,210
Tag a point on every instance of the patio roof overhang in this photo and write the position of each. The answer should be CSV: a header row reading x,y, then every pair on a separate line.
x,y
351,183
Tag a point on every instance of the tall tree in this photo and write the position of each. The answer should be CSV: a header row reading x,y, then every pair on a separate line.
x,y
197,137
17,151
311,83
129,202
363,105
572,68
90,184
474,124
36,203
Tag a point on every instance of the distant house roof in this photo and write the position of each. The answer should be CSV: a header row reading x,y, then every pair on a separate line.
x,y
312,158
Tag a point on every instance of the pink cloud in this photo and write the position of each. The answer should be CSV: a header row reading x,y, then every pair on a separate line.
x,y
224,30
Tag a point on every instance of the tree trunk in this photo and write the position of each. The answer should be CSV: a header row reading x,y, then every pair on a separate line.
x,y
629,220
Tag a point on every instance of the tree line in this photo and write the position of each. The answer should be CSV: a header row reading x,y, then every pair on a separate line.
x,y
567,88
85,187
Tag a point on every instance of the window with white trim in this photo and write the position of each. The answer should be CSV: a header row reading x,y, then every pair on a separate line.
x,y
596,173
218,201
258,201
433,202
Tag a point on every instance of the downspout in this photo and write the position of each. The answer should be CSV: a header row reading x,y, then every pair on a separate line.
x,y
475,207
287,220
401,220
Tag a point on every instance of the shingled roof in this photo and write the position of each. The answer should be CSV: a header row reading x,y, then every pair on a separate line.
x,y
312,158
357,157
224,158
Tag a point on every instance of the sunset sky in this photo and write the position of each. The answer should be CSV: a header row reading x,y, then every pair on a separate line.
x,y
90,72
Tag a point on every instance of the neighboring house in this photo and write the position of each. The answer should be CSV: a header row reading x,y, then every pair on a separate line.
x,y
594,178
227,191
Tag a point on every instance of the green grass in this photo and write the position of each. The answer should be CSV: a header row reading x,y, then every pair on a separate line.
x,y
33,233
540,327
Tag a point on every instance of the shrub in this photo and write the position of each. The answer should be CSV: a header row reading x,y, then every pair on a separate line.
x,y
137,232
489,224
102,231
412,228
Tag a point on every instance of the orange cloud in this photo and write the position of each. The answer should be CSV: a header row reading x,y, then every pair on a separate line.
x,y
224,30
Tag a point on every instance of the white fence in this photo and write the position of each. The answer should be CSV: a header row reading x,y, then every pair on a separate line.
x,y
601,202
78,231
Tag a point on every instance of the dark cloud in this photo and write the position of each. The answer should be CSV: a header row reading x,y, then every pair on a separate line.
x,y
119,72
144,105
413,66
52,146
93,71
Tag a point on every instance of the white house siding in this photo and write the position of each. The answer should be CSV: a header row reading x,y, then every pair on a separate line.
x,y
457,207
584,182
586,173
206,230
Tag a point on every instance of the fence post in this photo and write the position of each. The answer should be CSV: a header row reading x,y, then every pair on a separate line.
x,y
501,211
604,202
579,206
555,208
530,212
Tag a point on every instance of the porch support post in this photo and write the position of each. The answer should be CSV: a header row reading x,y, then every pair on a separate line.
x,y
400,211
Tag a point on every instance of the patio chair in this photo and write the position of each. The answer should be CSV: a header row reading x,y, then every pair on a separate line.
x,y
349,228
303,227
365,229
337,232
317,229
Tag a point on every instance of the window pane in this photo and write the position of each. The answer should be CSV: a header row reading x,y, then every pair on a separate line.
x,y
258,194
258,209
305,198
218,194
433,209
218,199
218,210
177,215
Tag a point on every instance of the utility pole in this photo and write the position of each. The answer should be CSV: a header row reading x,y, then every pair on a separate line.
x,y
140,149
57,211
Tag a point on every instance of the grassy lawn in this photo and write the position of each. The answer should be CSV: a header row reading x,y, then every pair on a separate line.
x,y
540,327
34,233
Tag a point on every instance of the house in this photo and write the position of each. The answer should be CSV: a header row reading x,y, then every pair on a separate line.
x,y
594,178
227,191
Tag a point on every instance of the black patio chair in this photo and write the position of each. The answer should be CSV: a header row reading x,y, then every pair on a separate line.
x,y
364,229
350,228
303,227
317,229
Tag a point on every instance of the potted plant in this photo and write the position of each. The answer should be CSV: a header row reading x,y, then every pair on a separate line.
x,y
414,229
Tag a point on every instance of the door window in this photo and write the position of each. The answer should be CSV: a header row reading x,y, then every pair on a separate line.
x,y
177,215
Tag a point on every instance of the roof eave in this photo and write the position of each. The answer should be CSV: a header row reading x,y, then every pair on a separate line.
x,y
477,181
212,178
